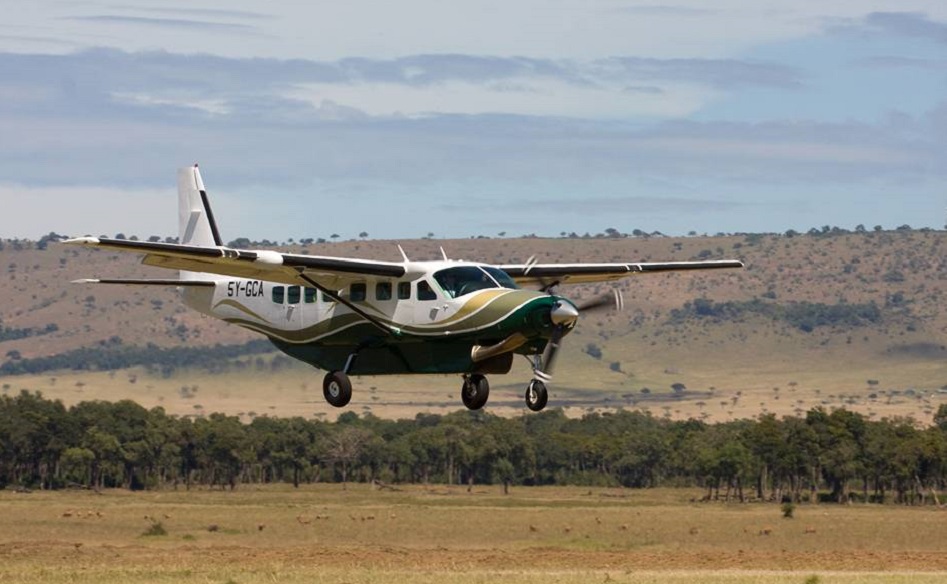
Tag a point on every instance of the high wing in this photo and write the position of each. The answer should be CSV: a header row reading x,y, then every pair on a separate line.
x,y
546,274
293,269
201,252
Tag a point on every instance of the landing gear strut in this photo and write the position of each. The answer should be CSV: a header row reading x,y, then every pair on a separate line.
x,y
475,391
337,388
536,395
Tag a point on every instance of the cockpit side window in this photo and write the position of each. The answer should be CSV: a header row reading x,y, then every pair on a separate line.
x,y
463,280
425,292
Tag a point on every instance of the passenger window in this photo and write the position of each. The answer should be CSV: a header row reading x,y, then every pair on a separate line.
x,y
404,290
278,294
292,295
425,292
327,299
309,294
357,292
383,291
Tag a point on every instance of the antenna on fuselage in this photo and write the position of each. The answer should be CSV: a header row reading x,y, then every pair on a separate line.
x,y
444,254
404,255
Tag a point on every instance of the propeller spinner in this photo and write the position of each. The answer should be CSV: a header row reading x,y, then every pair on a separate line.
x,y
564,315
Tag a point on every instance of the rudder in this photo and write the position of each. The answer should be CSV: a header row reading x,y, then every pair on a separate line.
x,y
196,224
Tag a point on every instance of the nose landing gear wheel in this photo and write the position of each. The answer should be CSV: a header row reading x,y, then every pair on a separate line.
x,y
337,388
536,395
475,391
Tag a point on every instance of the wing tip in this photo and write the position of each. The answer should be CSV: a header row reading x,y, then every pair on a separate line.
x,y
83,241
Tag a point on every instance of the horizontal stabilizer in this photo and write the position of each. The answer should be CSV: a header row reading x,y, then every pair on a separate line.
x,y
131,282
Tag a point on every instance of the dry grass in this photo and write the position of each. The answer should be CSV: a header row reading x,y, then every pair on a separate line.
x,y
445,534
737,386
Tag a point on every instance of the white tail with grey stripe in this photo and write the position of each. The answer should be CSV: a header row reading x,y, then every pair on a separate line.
x,y
196,224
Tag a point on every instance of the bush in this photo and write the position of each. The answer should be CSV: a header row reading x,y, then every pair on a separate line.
x,y
593,350
788,509
155,529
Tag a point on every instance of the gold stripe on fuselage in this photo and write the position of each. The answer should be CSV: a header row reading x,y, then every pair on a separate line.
x,y
238,306
485,309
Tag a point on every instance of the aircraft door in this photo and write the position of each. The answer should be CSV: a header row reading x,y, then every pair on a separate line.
x,y
429,307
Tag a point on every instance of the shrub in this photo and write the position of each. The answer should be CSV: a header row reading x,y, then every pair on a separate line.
x,y
788,509
155,529
593,350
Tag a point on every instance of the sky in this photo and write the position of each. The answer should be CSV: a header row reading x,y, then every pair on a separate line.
x,y
478,118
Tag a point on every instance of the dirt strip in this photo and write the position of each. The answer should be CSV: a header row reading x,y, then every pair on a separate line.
x,y
395,558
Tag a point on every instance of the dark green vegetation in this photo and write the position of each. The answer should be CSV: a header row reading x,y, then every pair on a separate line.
x,y
837,456
14,334
111,355
806,316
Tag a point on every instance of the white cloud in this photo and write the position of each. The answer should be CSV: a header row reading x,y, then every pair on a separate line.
x,y
517,96
580,29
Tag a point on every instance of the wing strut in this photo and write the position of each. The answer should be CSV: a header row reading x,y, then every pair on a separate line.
x,y
387,329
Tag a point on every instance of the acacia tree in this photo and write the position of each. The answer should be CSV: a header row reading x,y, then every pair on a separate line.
x,y
344,446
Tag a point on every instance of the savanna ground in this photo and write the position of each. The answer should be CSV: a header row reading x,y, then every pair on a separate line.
x,y
720,387
325,533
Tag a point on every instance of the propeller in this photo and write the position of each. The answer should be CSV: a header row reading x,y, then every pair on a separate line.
x,y
610,300
564,316
545,285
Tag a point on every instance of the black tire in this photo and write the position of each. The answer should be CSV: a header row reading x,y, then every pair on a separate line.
x,y
536,395
337,388
475,391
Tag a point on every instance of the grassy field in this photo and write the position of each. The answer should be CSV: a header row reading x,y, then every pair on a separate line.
x,y
744,384
325,533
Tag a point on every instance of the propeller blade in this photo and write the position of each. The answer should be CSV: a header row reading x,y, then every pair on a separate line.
x,y
609,300
550,354
545,285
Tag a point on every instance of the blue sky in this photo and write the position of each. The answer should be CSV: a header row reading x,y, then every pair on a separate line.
x,y
472,119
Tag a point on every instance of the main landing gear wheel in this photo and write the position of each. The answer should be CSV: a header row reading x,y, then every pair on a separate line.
x,y
337,388
475,391
536,395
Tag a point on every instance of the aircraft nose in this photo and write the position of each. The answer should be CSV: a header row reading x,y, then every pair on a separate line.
x,y
563,313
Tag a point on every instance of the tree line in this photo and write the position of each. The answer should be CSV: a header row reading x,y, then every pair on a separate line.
x,y
113,354
834,456
805,316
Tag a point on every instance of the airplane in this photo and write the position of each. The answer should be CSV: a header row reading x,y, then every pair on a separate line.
x,y
351,316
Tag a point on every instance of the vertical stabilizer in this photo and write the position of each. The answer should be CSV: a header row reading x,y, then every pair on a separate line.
x,y
196,224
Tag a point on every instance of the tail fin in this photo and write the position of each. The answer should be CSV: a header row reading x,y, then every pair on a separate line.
x,y
196,224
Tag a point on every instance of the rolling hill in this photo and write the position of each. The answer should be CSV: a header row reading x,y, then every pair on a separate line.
x,y
829,318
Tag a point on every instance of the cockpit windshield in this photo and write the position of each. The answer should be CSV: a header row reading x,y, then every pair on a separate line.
x,y
502,278
463,280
